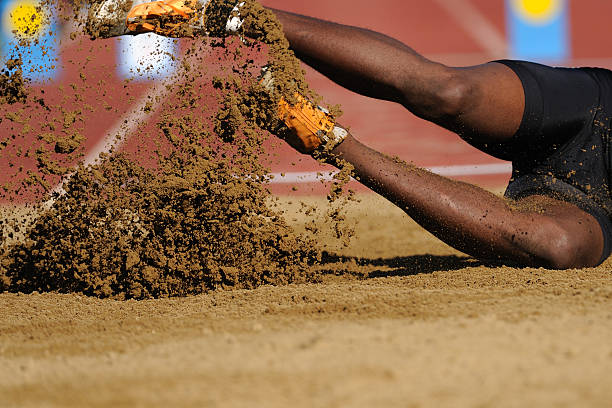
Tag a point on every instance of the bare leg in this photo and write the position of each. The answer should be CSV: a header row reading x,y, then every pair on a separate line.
x,y
537,231
483,104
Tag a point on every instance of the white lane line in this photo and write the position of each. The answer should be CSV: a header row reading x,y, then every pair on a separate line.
x,y
447,171
146,107
477,25
128,123
123,128
119,132
473,169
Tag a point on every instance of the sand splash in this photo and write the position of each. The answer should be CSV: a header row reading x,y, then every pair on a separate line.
x,y
189,213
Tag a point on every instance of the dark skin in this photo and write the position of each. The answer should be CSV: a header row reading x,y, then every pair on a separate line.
x,y
483,104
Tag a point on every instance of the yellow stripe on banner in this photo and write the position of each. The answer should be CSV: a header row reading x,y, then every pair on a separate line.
x,y
538,11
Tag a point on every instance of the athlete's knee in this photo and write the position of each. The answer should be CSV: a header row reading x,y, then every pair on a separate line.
x,y
455,96
448,97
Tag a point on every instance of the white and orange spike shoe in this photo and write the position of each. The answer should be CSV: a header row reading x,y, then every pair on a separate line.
x,y
167,17
170,18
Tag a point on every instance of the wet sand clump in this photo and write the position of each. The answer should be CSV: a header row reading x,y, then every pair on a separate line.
x,y
123,231
12,84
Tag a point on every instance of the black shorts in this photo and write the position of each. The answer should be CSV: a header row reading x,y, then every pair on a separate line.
x,y
562,148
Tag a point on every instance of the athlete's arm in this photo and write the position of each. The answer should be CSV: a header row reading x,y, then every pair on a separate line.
x,y
538,231
483,103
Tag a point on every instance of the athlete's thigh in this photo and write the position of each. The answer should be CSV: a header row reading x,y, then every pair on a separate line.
x,y
554,105
494,104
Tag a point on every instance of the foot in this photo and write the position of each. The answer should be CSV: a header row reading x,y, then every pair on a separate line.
x,y
307,127
171,18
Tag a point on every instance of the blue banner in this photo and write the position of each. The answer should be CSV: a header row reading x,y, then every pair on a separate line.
x,y
30,32
538,30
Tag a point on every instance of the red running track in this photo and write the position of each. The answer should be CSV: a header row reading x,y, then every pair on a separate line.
x,y
457,32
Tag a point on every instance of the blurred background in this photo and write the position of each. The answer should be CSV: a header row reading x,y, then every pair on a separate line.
x,y
455,32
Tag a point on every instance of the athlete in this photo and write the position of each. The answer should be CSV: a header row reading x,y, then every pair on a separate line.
x,y
552,123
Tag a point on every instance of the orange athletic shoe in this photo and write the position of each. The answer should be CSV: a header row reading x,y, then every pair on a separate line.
x,y
173,18
170,18
309,123
311,127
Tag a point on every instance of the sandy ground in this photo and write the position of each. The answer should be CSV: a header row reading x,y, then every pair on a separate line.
x,y
402,321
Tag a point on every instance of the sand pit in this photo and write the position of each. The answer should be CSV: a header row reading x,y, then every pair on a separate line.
x,y
409,323
184,213
249,300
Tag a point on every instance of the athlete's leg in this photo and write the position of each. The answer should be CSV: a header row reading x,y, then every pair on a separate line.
x,y
537,231
484,104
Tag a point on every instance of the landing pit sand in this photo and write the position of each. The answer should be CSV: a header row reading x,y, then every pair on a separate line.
x,y
400,320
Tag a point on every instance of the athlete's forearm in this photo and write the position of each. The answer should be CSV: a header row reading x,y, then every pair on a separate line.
x,y
463,215
364,61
